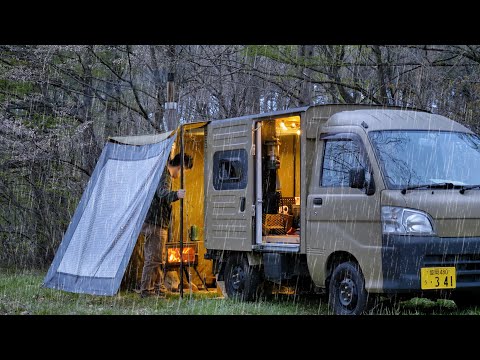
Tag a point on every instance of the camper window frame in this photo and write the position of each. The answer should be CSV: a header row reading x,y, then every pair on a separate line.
x,y
238,159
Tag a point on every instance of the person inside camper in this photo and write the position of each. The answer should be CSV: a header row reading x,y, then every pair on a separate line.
x,y
155,228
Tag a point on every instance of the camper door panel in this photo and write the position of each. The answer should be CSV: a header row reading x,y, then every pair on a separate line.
x,y
229,185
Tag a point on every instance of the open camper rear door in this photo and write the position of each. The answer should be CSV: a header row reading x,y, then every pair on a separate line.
x,y
99,241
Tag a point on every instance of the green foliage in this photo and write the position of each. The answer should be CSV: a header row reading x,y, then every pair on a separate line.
x,y
287,54
17,88
39,219
43,122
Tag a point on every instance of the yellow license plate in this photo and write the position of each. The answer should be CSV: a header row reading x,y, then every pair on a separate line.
x,y
438,278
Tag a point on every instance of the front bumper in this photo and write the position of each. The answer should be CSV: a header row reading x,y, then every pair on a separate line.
x,y
404,256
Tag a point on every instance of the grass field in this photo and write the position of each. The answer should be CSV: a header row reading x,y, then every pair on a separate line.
x,y
21,293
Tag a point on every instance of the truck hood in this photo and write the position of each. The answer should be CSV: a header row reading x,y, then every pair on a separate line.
x,y
454,214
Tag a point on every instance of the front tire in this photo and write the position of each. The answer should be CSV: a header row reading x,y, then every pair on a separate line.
x,y
241,280
347,294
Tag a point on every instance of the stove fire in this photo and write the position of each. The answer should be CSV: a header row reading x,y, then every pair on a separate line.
x,y
189,258
173,254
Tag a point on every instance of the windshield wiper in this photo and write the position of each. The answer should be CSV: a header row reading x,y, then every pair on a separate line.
x,y
445,185
462,190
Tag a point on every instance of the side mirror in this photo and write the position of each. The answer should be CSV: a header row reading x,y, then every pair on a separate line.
x,y
357,178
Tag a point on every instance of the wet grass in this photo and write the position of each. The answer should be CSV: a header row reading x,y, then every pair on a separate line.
x,y
21,293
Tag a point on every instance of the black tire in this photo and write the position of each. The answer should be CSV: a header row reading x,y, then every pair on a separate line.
x,y
347,294
241,280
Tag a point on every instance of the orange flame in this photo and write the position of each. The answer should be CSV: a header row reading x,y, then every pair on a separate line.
x,y
174,255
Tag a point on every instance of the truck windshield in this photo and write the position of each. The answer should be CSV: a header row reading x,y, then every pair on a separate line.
x,y
410,158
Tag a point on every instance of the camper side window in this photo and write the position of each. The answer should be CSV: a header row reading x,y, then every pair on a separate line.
x,y
230,169
339,157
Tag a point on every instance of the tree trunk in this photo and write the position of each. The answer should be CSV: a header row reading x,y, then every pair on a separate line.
x,y
381,75
91,150
305,53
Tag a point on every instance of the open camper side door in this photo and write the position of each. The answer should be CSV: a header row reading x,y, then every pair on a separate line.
x,y
229,185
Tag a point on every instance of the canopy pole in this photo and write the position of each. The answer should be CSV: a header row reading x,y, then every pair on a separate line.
x,y
182,183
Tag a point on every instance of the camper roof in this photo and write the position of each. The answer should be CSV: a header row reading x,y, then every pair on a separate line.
x,y
378,119
273,114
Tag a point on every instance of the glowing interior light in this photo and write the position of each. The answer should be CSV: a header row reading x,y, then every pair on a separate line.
x,y
298,132
294,125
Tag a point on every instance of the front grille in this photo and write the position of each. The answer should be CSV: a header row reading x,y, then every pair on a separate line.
x,y
467,265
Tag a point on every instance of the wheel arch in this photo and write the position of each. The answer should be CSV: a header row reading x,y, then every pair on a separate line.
x,y
336,258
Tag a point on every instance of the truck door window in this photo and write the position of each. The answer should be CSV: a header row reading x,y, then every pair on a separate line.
x,y
339,157
230,169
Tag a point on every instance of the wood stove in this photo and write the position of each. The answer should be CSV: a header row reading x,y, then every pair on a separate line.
x,y
189,256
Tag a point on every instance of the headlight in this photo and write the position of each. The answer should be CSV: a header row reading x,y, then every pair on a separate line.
x,y
401,221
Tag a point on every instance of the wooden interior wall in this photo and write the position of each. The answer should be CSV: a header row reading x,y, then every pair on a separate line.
x,y
285,172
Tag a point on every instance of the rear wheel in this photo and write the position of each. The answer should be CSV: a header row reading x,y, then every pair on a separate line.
x,y
347,294
241,280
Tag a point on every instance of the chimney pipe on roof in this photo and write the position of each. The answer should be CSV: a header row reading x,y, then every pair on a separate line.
x,y
171,105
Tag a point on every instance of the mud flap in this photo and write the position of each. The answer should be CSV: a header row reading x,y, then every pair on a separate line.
x,y
221,288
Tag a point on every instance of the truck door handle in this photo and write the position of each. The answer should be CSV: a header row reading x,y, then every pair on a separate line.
x,y
317,201
242,204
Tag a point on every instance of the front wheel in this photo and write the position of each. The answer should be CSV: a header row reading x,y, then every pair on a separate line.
x,y
347,294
